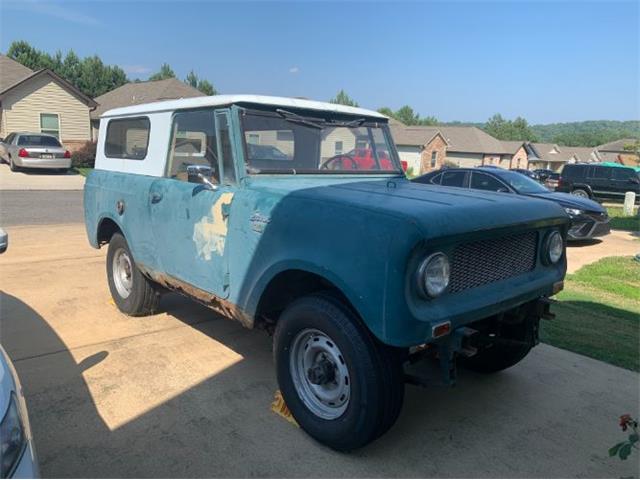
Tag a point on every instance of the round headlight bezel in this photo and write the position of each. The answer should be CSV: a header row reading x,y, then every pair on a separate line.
x,y
554,240
430,289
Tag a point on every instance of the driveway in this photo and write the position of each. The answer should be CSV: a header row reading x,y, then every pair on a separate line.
x,y
617,243
38,180
185,393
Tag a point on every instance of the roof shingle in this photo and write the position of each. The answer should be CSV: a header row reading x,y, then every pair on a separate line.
x,y
12,72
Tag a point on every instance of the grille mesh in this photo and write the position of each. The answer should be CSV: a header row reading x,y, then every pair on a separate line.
x,y
486,261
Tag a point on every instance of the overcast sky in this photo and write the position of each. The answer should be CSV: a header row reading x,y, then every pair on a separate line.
x,y
547,61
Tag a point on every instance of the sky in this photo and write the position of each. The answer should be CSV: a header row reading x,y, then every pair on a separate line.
x,y
546,61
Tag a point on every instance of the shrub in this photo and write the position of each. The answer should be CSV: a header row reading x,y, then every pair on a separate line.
x,y
85,156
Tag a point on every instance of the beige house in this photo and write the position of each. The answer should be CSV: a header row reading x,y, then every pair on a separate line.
x,y
620,151
42,102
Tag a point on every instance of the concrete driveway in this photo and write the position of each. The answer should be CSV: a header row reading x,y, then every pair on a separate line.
x,y
185,393
617,243
38,180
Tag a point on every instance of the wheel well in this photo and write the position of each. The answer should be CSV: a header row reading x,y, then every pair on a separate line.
x,y
106,229
289,285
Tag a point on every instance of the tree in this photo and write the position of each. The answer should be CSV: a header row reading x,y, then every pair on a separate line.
x,y
90,75
387,111
343,99
203,85
165,72
503,129
407,116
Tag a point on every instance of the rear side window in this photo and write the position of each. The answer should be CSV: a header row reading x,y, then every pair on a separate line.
x,y
437,179
127,138
602,172
38,141
453,179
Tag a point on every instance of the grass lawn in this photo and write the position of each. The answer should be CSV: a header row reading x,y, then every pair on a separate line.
x,y
84,171
618,222
598,314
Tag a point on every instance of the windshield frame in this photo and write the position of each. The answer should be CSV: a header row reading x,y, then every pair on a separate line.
x,y
313,119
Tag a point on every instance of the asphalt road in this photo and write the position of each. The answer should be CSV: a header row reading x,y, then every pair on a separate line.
x,y
186,393
40,207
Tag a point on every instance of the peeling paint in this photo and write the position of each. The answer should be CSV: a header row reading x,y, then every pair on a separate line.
x,y
210,233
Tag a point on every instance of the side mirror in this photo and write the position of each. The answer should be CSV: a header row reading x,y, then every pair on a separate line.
x,y
201,174
4,241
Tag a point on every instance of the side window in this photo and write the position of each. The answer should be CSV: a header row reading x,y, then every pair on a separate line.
x,y
127,138
225,148
623,174
193,142
453,179
482,181
602,172
437,179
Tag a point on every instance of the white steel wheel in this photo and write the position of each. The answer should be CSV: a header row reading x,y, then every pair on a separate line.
x,y
320,374
122,272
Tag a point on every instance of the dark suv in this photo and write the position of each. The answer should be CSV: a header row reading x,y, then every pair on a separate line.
x,y
599,181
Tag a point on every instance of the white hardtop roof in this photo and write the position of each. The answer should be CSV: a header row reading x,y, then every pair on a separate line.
x,y
220,100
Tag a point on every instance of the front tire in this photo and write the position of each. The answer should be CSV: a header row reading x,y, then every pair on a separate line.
x,y
131,291
343,387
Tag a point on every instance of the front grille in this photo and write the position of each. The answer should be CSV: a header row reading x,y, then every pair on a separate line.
x,y
487,261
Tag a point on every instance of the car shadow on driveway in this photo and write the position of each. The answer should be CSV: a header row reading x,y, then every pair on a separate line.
x,y
495,426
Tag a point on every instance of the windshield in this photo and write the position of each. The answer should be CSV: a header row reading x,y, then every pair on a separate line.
x,y
521,183
286,142
38,141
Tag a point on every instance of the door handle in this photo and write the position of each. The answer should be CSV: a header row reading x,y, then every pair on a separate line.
x,y
156,197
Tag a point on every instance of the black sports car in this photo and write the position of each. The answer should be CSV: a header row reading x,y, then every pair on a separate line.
x,y
589,219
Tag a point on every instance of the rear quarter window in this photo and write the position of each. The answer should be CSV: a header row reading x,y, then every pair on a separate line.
x,y
127,138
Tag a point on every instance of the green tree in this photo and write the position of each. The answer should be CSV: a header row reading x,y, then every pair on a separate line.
x,y
407,116
165,72
192,79
343,99
25,54
387,111
203,85
503,129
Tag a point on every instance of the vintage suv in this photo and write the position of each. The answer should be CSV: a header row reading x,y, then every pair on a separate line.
x,y
251,206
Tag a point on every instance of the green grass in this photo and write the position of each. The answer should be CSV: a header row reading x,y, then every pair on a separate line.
x,y
618,222
598,314
84,171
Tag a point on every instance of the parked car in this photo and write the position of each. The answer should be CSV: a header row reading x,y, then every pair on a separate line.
x,y
552,181
601,181
17,453
543,173
528,173
354,269
34,150
588,218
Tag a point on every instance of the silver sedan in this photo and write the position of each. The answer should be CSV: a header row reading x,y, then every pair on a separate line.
x,y
34,150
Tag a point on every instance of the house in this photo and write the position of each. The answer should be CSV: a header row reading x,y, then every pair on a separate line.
x,y
135,93
616,152
427,148
42,101
553,157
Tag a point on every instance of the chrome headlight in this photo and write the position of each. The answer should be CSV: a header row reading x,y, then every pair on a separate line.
x,y
433,275
553,247
12,438
573,211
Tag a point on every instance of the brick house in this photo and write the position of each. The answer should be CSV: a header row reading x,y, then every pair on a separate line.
x,y
615,152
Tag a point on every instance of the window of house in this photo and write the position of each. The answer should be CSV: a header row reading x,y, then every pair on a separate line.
x,y
253,138
193,143
338,148
50,124
127,138
434,158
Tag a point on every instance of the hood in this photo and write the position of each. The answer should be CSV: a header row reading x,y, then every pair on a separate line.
x,y
437,211
567,200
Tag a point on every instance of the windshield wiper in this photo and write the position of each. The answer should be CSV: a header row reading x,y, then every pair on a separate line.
x,y
294,117
350,124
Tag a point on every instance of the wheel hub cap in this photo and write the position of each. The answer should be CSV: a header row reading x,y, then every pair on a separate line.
x,y
320,374
122,273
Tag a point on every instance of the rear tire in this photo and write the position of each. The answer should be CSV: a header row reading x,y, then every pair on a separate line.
x,y
131,291
579,192
320,328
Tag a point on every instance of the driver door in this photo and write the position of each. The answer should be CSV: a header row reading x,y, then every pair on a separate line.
x,y
190,206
